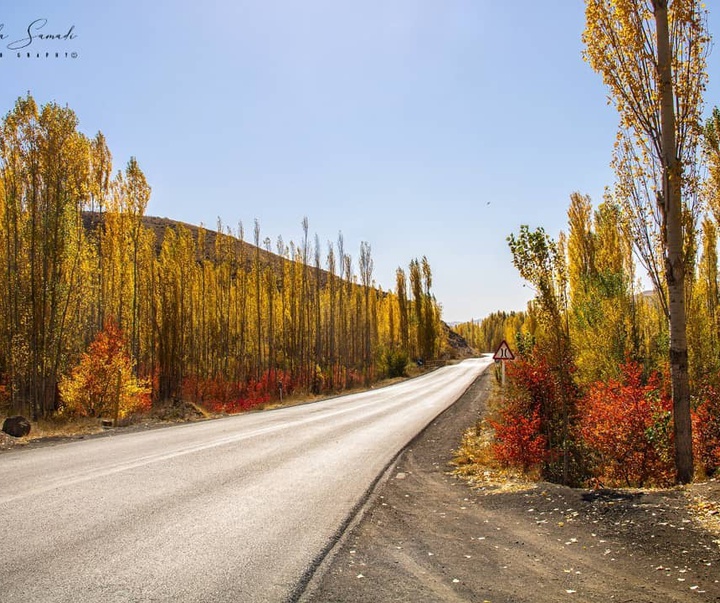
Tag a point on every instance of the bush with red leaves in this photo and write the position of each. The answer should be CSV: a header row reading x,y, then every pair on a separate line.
x,y
519,442
626,427
706,429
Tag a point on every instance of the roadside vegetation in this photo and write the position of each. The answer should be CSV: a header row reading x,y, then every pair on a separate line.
x,y
107,313
614,385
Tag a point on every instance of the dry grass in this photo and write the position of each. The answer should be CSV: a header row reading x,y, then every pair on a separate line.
x,y
48,429
475,461
63,428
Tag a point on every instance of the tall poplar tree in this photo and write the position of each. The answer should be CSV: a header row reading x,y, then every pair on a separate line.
x,y
651,55
366,270
401,290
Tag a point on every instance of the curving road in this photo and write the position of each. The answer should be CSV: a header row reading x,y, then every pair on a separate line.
x,y
239,509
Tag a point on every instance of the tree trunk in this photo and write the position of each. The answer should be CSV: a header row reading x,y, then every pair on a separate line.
x,y
671,208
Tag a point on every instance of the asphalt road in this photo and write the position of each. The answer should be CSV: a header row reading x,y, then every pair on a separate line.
x,y
240,509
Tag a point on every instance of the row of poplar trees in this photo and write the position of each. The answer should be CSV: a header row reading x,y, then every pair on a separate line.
x,y
195,306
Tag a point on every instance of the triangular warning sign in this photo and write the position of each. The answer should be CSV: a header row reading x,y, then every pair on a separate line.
x,y
504,352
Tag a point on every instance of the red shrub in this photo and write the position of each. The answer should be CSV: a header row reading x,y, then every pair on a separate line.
x,y
626,426
527,428
519,441
532,381
539,412
220,395
706,429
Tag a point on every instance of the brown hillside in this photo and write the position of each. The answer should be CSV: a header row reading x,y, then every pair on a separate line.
x,y
92,220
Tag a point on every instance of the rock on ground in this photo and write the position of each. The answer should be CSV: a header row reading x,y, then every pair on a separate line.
x,y
17,427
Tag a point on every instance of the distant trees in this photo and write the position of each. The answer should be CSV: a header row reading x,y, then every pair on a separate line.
x,y
201,315
487,334
425,310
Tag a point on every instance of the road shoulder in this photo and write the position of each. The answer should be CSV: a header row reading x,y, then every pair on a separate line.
x,y
425,536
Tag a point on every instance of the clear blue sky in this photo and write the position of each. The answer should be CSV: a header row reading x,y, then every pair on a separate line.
x,y
424,127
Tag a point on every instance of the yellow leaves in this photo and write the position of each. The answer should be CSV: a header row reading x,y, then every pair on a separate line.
x,y
705,511
191,306
620,44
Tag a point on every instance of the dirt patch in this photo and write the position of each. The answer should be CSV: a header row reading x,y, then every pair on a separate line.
x,y
7,442
179,411
426,536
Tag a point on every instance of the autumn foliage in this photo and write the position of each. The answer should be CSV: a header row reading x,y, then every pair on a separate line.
x,y
626,427
617,433
205,314
620,432
520,441
706,429
218,395
622,383
104,382
532,426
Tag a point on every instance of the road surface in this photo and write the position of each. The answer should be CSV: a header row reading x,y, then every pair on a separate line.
x,y
239,509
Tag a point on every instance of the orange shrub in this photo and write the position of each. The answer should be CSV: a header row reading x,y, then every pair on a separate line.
x,y
91,389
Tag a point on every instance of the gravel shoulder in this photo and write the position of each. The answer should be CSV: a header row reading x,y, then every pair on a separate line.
x,y
425,536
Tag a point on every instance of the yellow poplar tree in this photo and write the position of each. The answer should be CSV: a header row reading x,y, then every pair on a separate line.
x,y
651,55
